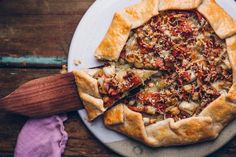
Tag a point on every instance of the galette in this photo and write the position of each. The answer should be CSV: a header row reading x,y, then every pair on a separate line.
x,y
170,72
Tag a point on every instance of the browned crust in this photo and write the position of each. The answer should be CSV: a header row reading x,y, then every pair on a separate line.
x,y
115,38
221,22
86,83
122,23
115,115
132,124
93,106
206,126
88,92
140,13
231,96
163,133
231,49
178,5
185,131
221,111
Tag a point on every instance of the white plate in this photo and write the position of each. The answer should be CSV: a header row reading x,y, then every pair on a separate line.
x,y
88,35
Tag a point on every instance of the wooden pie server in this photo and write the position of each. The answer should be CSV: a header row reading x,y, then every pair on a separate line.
x,y
44,97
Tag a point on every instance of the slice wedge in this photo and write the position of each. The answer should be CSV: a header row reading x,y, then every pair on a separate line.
x,y
101,88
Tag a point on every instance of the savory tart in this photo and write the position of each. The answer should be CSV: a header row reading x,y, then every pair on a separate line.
x,y
193,46
101,88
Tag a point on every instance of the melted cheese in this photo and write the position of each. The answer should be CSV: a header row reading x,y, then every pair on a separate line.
x,y
150,110
164,54
146,120
218,85
120,75
189,107
192,75
109,70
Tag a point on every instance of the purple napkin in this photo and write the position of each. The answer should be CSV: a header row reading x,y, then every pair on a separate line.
x,y
42,138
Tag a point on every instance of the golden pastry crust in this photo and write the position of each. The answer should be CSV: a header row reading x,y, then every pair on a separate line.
x,y
93,106
231,96
221,22
178,5
86,83
115,115
88,92
186,131
221,111
207,125
140,13
132,124
231,49
122,23
115,38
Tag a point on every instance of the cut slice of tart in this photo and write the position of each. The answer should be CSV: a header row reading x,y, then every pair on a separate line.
x,y
101,88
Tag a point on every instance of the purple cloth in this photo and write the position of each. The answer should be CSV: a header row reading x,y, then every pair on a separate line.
x,y
42,138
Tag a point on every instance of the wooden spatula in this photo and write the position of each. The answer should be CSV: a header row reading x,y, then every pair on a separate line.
x,y
44,97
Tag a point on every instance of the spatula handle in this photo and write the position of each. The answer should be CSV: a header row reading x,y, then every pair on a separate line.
x,y
44,97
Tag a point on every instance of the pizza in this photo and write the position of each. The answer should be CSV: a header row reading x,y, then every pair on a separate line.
x,y
101,88
188,50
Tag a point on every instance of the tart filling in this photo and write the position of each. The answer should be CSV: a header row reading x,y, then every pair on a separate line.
x,y
193,61
173,37
113,83
171,96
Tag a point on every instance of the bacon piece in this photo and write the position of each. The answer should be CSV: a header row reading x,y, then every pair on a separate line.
x,y
132,79
151,98
185,76
137,108
181,52
159,63
176,53
145,45
160,107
